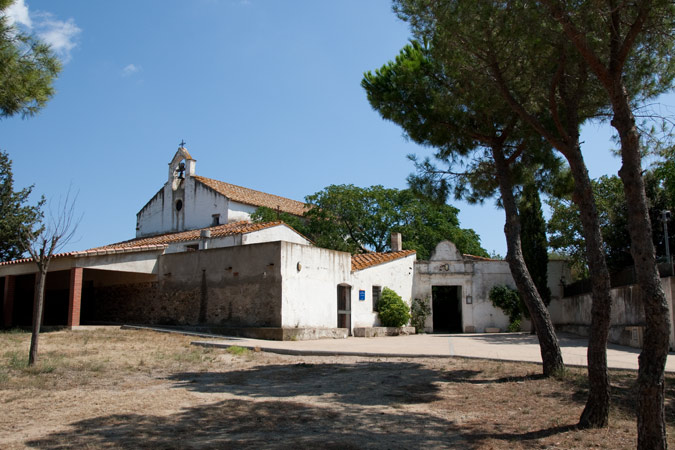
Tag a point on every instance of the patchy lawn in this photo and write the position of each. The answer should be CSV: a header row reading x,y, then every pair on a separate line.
x,y
110,388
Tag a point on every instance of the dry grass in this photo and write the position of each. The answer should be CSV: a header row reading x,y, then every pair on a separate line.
x,y
133,389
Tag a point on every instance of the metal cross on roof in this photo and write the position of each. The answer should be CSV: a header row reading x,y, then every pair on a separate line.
x,y
182,143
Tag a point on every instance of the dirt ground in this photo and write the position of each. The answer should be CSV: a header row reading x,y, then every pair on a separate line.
x,y
136,389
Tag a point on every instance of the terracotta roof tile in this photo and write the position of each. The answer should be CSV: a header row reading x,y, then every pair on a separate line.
x,y
26,260
161,241
253,197
478,258
365,260
191,235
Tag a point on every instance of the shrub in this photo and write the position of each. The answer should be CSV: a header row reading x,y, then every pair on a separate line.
x,y
419,311
515,325
508,300
392,309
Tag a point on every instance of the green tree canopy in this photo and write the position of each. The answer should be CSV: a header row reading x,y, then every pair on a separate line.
x,y
564,225
264,214
28,68
15,215
355,219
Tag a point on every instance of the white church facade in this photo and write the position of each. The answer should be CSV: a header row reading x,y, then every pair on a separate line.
x,y
197,261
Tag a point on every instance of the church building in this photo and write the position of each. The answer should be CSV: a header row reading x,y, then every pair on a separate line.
x,y
198,261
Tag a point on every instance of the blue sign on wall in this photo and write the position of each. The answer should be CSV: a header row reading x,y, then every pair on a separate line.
x,y
362,295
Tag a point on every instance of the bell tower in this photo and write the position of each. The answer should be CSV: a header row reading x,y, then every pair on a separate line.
x,y
181,168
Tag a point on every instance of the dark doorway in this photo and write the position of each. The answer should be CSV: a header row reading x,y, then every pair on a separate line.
x,y
344,301
446,307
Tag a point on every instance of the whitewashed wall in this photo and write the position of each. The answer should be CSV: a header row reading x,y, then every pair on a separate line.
x,y
310,277
447,267
239,211
397,275
276,233
159,215
271,234
483,314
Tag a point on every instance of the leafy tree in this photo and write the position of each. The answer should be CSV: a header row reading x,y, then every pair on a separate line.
x,y
28,68
441,106
15,215
392,310
565,228
354,219
264,214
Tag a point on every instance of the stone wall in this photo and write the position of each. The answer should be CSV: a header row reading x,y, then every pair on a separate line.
x,y
231,287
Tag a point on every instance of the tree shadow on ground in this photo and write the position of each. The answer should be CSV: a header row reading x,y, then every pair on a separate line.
x,y
278,425
520,437
469,376
261,424
359,405
384,383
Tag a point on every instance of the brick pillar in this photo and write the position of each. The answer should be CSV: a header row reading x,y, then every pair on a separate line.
x,y
75,296
8,303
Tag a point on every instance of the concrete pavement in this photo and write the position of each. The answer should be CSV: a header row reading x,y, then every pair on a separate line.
x,y
500,346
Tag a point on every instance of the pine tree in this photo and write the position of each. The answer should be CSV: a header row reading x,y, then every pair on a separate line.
x,y
15,215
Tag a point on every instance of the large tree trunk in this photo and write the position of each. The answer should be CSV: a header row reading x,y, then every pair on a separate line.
x,y
38,303
548,342
596,411
652,360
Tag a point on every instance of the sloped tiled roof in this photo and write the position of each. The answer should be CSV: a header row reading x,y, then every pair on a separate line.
x,y
92,252
365,260
161,241
253,197
229,229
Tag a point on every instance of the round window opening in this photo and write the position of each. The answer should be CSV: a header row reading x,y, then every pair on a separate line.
x,y
179,205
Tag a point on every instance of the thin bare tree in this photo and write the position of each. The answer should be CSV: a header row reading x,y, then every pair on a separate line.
x,y
42,243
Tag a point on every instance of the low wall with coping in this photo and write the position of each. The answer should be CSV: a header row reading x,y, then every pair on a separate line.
x,y
573,314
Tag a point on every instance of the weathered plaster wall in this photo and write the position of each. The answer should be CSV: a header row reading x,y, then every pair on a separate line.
x,y
216,242
574,313
396,275
235,286
201,202
486,275
239,211
159,215
447,267
310,279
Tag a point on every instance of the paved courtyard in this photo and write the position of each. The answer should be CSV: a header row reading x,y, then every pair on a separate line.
x,y
501,346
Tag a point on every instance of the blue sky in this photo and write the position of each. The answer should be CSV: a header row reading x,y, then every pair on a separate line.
x,y
265,93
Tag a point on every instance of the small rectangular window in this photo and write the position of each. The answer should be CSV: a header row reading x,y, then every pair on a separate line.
x,y
192,248
377,290
215,220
